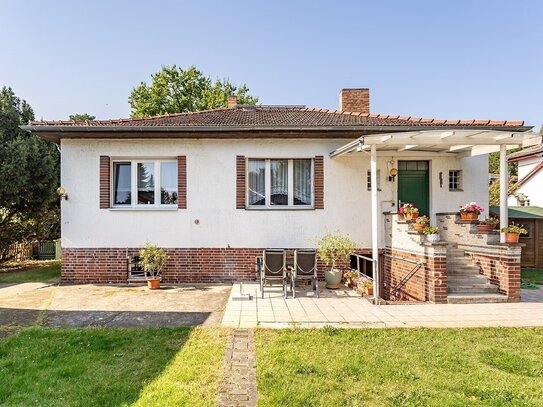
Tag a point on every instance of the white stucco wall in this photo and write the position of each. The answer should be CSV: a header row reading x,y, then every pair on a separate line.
x,y
211,177
533,189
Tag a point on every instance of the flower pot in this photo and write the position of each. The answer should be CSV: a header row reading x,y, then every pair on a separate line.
x,y
411,216
153,283
419,227
433,238
485,228
368,291
512,237
469,215
333,278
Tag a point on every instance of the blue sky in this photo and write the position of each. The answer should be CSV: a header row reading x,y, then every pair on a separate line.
x,y
457,59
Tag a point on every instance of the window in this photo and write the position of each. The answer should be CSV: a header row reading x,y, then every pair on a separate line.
x,y
368,180
455,180
144,184
280,183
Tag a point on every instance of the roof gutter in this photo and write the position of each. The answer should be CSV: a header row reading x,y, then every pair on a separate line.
x,y
214,129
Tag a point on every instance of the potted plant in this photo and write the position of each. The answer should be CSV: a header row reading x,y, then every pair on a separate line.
x,y
421,222
488,224
152,260
409,211
352,277
470,211
331,249
368,287
513,232
432,234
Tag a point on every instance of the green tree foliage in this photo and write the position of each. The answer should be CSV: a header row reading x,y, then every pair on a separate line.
x,y
81,117
494,163
494,192
29,174
175,90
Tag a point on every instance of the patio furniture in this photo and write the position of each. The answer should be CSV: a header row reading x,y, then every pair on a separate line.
x,y
305,269
273,269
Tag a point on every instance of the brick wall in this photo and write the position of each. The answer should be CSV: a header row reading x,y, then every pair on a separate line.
x,y
502,267
194,265
429,283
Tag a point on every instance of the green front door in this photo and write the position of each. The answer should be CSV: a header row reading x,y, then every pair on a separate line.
x,y
414,184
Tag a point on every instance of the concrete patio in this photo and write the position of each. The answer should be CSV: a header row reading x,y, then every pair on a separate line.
x,y
344,308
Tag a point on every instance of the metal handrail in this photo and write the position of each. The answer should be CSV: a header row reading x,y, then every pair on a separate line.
x,y
374,270
405,280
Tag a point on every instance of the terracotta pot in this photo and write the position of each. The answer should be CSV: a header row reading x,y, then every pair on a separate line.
x,y
485,228
419,227
153,283
512,237
469,216
411,216
368,290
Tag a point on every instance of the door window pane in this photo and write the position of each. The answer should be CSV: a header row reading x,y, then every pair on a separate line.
x,y
168,183
279,182
257,179
121,183
146,183
302,182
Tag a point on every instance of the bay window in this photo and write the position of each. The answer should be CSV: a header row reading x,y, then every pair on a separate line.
x,y
144,184
280,183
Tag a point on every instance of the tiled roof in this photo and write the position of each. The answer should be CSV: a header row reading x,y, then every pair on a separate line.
x,y
530,151
279,117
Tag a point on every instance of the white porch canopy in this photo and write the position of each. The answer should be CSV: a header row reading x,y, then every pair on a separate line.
x,y
461,143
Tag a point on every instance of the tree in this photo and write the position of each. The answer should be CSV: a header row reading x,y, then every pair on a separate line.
x,y
81,117
494,163
29,176
494,192
174,90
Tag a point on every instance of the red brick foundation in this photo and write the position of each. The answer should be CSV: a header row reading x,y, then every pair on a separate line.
x,y
429,283
194,265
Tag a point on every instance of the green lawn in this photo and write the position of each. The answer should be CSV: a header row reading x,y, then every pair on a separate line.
x,y
532,276
111,367
400,367
48,272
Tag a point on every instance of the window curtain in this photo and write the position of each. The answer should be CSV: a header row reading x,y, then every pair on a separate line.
x,y
279,182
302,182
257,188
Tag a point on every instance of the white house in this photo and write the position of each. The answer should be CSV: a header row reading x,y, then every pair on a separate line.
x,y
216,187
528,191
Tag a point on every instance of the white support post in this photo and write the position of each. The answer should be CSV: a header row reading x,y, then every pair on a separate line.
x,y
374,217
504,184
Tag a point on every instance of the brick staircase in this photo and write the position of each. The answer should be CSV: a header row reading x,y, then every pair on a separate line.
x,y
465,284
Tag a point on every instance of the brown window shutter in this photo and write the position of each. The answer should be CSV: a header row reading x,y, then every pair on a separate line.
x,y
319,182
240,182
105,177
182,182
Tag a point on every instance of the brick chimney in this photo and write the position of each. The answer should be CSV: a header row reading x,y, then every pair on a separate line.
x,y
232,101
355,100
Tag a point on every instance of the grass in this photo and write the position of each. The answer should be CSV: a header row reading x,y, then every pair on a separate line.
x,y
42,272
400,367
532,276
111,367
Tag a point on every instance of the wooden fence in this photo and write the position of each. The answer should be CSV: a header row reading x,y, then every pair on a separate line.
x,y
49,250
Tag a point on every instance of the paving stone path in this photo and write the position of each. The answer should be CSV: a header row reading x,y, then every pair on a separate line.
x,y
239,384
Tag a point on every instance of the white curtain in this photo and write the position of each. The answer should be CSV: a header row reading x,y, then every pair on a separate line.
x,y
279,182
257,188
302,182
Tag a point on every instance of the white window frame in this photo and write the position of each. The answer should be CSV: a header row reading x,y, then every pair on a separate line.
x,y
459,181
368,180
134,205
267,184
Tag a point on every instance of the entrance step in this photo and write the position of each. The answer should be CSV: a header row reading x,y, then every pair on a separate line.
x,y
481,298
473,288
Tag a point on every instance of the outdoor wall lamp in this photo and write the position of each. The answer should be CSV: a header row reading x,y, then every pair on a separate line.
x,y
61,192
441,179
392,170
